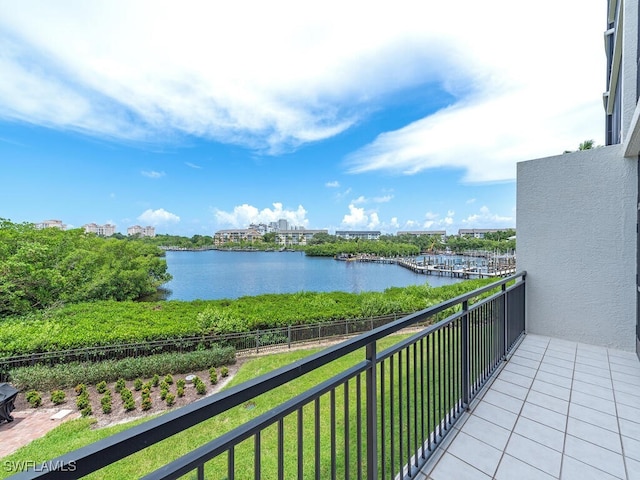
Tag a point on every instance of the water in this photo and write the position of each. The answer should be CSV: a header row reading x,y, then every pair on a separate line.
x,y
218,274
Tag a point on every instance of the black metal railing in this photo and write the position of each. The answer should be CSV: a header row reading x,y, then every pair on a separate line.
x,y
380,418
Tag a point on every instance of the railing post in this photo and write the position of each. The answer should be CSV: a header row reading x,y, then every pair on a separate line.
x,y
257,341
289,335
505,321
372,413
466,360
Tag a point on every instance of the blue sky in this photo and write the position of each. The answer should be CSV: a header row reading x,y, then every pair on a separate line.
x,y
198,116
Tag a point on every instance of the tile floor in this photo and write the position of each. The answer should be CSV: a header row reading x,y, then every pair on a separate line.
x,y
557,410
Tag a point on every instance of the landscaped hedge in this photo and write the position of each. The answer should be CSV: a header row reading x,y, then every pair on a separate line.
x,y
42,377
111,322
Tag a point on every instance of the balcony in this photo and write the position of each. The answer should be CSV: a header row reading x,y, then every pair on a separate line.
x,y
556,410
469,396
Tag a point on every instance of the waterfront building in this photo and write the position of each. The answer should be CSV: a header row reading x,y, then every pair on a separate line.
x,y
142,231
51,224
103,230
236,236
358,234
296,236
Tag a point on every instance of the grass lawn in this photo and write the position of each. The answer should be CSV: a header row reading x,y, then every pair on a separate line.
x,y
77,433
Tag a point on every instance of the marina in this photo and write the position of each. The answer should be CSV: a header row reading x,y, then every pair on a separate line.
x,y
489,267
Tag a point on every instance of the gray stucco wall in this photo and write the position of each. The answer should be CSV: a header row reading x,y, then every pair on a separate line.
x,y
576,238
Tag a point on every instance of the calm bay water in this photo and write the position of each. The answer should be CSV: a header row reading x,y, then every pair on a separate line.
x,y
218,274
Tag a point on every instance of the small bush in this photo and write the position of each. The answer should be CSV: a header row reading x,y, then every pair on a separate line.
x,y
168,379
34,398
101,387
181,383
180,391
120,385
82,401
146,403
58,397
213,375
80,388
129,404
106,403
86,411
170,399
137,384
201,388
224,372
155,380
126,394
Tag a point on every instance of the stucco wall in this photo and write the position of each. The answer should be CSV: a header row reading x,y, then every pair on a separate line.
x,y
576,238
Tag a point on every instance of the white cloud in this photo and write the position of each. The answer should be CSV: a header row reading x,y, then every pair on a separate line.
x,y
294,72
152,174
192,165
470,201
158,217
334,184
243,215
355,218
486,219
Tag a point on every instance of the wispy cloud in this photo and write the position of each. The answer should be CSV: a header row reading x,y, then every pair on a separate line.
x,y
273,82
334,184
192,165
152,174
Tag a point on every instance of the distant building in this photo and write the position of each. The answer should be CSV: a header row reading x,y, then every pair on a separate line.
x,y
141,231
480,232
441,234
236,236
103,230
362,234
51,224
297,236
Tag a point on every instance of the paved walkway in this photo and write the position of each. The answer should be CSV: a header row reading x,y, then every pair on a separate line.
x,y
28,425
557,410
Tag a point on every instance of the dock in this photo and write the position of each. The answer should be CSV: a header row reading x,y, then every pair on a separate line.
x,y
499,267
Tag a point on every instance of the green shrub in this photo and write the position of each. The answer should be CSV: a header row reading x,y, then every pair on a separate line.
x,y
58,397
181,383
155,380
120,385
80,388
106,403
213,375
82,401
224,371
201,388
137,384
86,411
101,387
180,391
42,377
146,403
34,398
129,404
170,399
126,394
168,379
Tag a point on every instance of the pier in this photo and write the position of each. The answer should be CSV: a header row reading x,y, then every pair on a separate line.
x,y
499,266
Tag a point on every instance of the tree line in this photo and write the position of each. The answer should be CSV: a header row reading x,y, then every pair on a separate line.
x,y
42,268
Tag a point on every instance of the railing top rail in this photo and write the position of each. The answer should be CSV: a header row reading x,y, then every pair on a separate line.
x,y
120,445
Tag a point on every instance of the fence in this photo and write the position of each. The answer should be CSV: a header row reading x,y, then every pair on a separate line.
x,y
379,418
245,342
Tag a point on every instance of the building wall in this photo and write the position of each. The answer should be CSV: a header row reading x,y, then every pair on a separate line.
x,y
576,223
